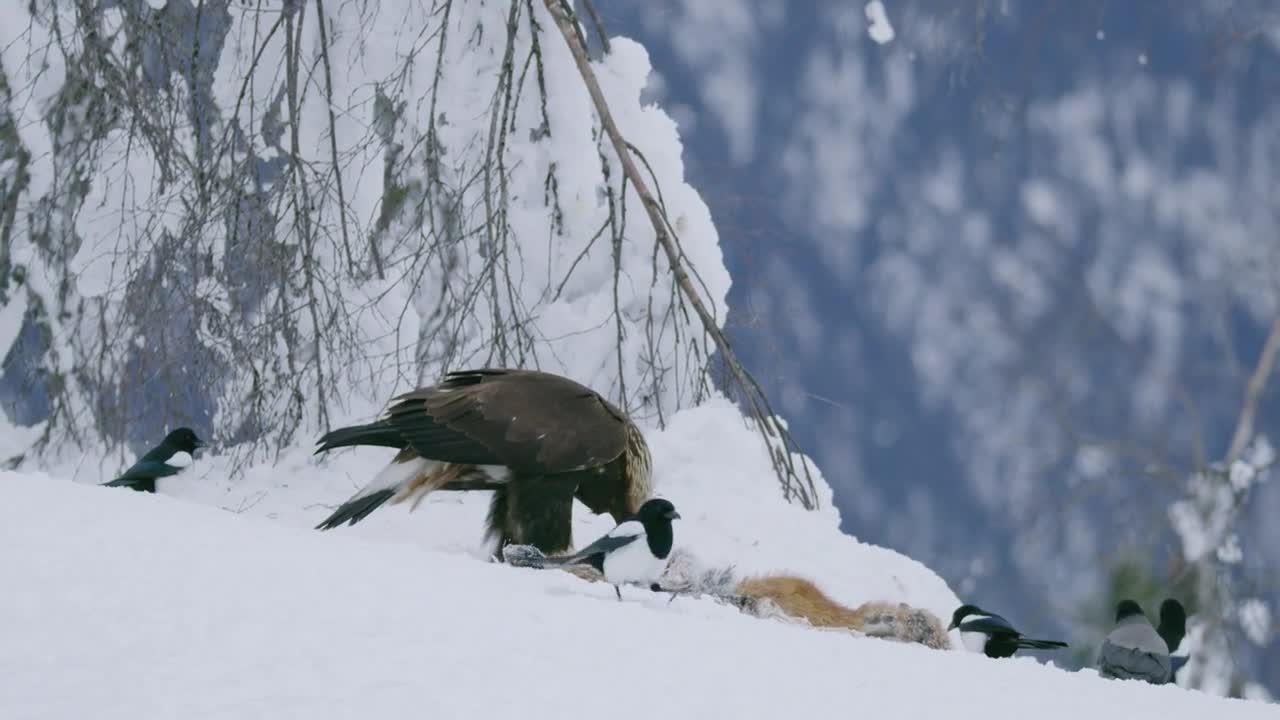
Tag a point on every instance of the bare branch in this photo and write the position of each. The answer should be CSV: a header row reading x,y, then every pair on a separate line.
x,y
333,146
767,422
595,20
1253,393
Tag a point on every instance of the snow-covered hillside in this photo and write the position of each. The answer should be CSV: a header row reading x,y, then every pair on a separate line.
x,y
707,461
123,605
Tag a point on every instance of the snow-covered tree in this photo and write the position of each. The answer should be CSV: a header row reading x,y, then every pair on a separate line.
x,y
259,218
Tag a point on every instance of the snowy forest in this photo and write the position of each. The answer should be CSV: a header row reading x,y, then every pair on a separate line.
x,y
995,285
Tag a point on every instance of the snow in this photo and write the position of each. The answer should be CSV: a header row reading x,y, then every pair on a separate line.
x,y
878,25
1255,618
708,461
124,605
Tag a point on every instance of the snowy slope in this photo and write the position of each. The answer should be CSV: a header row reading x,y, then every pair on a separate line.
x,y
707,461
120,605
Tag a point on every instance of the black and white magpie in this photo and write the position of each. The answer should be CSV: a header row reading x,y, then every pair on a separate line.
x,y
633,552
1134,650
1172,628
168,458
992,635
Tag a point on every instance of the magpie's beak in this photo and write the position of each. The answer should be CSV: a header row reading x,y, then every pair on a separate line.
x,y
673,515
199,444
952,626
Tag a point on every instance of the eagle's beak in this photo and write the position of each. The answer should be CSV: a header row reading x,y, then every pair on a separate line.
x,y
673,515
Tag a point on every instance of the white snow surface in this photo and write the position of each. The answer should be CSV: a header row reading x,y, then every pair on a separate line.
x,y
708,461
124,605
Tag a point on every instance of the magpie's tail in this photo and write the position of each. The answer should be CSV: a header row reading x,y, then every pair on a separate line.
x,y
133,483
356,509
379,433
1031,644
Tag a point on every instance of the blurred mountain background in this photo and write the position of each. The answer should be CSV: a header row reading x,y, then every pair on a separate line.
x,y
1008,270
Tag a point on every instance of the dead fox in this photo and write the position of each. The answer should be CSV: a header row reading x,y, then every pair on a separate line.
x,y
796,597
788,597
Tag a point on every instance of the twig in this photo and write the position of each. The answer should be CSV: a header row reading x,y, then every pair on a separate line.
x,y
767,422
595,20
1253,392
567,7
333,148
302,207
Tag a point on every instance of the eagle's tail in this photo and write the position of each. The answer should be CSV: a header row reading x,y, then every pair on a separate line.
x,y
379,433
401,479
1040,644
356,509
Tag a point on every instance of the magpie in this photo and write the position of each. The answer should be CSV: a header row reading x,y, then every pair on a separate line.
x,y
168,458
992,635
635,551
1172,628
1134,650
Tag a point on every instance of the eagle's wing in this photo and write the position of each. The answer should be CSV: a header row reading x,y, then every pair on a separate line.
x,y
527,420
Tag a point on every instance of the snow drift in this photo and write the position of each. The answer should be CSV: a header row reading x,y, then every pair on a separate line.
x,y
708,461
123,605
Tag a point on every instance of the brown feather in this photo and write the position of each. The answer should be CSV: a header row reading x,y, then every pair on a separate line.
x,y
434,479
526,420
558,439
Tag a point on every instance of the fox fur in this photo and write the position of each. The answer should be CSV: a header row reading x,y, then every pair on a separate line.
x,y
801,599
793,598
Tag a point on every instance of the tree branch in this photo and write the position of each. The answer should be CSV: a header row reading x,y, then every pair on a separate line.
x,y
333,148
767,422
595,19
1253,393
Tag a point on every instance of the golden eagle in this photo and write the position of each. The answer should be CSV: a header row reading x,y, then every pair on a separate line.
x,y
537,440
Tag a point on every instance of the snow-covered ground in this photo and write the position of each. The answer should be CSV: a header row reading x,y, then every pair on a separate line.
x,y
123,605
707,461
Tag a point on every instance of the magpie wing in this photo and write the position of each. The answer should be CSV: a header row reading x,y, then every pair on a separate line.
x,y
991,625
621,536
143,470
